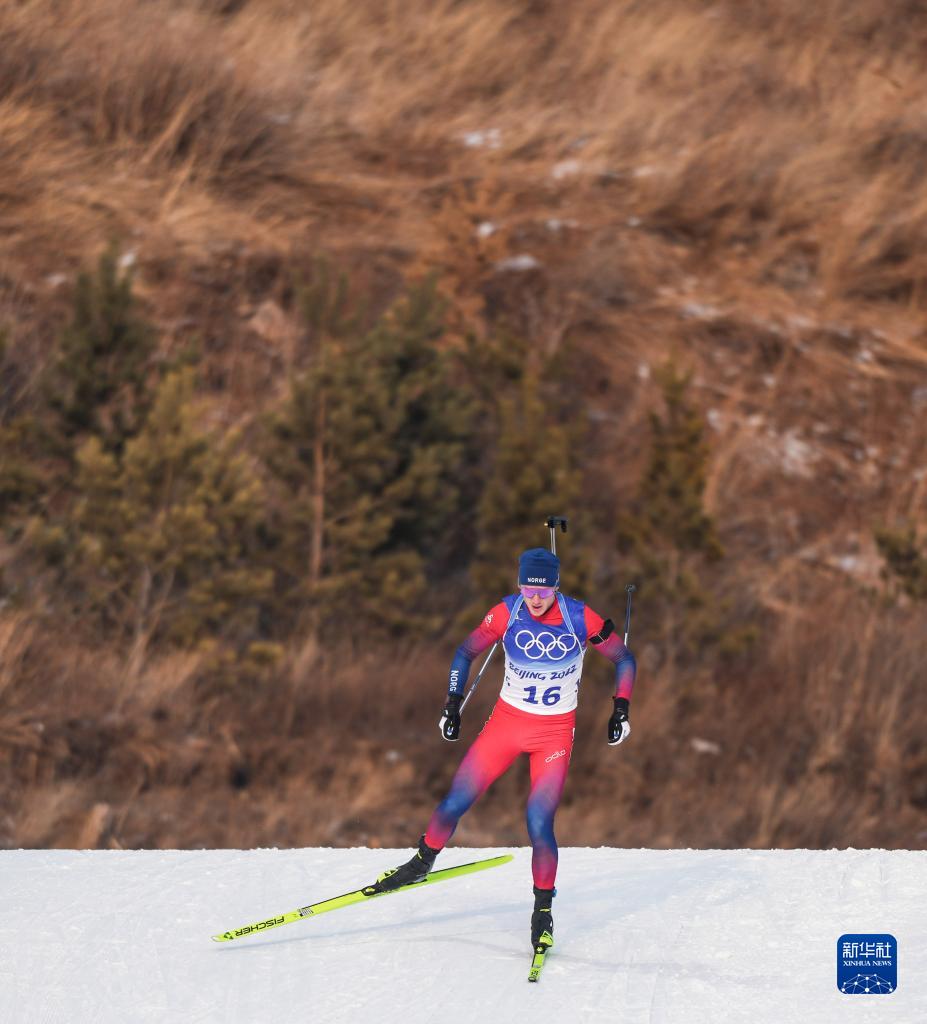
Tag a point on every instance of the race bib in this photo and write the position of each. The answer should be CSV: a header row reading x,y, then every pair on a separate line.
x,y
543,667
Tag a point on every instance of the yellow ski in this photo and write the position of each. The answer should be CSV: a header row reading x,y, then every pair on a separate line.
x,y
540,955
357,896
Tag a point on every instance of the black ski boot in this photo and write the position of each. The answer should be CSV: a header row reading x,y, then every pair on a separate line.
x,y
542,922
413,870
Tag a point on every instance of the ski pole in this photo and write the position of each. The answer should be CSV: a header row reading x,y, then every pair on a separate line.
x,y
552,523
479,676
630,588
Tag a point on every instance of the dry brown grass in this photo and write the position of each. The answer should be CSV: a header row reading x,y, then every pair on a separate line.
x,y
785,143
738,182
816,742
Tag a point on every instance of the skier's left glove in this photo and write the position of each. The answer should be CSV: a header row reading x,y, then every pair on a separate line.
x,y
619,728
450,717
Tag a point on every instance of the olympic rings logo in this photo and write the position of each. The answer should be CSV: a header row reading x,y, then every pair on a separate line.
x,y
536,647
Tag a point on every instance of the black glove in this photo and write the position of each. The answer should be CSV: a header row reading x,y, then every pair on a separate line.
x,y
450,718
619,728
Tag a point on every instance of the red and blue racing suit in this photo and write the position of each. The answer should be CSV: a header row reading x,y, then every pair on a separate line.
x,y
535,713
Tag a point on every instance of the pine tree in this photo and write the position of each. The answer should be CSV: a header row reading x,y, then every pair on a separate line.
x,y
533,475
98,381
433,429
670,542
164,534
21,478
364,454
96,385
671,498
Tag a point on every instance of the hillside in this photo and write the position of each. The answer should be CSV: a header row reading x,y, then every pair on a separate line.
x,y
592,191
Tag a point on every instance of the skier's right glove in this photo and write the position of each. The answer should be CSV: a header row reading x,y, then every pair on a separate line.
x,y
450,717
619,728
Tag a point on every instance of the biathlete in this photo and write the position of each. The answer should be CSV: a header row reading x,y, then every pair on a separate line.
x,y
544,635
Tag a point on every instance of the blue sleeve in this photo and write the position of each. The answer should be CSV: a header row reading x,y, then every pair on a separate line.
x,y
488,632
460,670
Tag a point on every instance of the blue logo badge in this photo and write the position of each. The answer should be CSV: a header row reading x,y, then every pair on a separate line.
x,y
867,965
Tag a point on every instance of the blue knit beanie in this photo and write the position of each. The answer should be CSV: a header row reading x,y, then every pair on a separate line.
x,y
538,567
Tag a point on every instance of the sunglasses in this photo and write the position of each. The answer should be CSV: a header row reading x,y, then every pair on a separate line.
x,y
542,592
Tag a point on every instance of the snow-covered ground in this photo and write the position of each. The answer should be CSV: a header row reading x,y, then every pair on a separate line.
x,y
658,936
